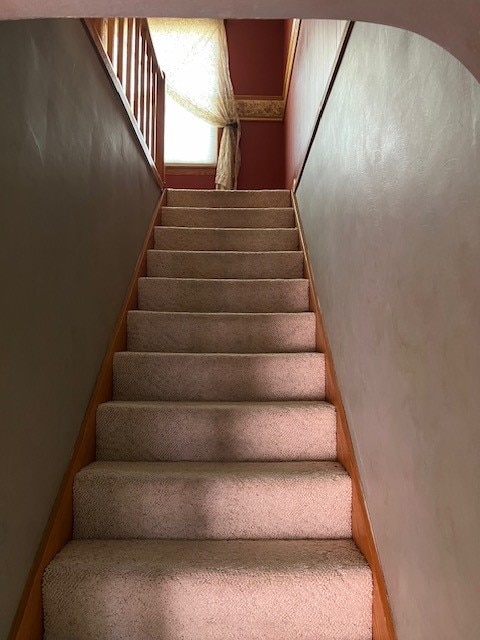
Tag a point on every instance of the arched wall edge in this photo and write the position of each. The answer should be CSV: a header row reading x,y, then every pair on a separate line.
x,y
455,26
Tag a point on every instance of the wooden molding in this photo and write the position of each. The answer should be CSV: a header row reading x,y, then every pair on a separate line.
x,y
91,29
190,170
292,49
383,628
326,95
241,96
28,622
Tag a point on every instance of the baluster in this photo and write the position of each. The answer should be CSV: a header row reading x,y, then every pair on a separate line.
x,y
137,70
143,115
160,125
154,112
149,111
121,50
103,30
130,54
110,28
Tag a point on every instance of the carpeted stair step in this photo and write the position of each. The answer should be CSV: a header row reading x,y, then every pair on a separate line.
x,y
221,431
221,332
237,198
218,377
212,500
216,508
196,239
225,264
235,218
208,590
242,296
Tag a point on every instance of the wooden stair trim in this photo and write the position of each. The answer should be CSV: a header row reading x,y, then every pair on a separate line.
x,y
28,621
383,627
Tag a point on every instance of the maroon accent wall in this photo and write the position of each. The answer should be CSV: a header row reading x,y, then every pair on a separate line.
x,y
189,181
263,156
257,62
256,49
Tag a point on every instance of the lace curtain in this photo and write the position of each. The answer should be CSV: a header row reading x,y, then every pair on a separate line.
x,y
193,54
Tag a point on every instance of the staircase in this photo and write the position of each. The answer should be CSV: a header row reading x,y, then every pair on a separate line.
x,y
216,509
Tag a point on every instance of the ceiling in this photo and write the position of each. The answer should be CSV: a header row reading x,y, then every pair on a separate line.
x,y
455,25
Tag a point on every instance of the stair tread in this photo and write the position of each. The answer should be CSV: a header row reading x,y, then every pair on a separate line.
x,y
225,314
218,376
287,404
228,217
157,470
154,557
253,281
227,239
220,590
216,431
212,500
223,295
204,254
220,332
169,208
230,230
243,197
313,355
224,264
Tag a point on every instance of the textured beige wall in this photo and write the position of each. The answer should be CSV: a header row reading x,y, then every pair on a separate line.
x,y
76,197
390,202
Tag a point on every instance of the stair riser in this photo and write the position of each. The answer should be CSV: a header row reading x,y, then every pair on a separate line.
x,y
207,198
186,239
228,296
201,264
217,378
228,218
111,505
129,596
219,333
215,433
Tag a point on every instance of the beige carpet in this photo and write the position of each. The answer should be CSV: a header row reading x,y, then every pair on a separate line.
x,y
216,509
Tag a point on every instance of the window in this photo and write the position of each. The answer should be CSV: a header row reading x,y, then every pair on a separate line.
x,y
188,139
194,55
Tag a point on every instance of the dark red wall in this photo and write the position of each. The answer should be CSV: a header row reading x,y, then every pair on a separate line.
x,y
257,62
190,182
263,156
256,49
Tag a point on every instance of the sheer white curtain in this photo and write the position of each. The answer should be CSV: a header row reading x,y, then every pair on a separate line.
x,y
194,56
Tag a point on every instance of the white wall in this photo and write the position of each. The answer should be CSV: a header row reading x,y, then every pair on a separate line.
x,y
390,202
317,48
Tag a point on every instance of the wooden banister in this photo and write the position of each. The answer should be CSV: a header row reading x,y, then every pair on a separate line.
x,y
126,48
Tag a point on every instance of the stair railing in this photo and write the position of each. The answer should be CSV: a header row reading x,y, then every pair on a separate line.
x,y
126,48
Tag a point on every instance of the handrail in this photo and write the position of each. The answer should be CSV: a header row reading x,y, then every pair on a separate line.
x,y
128,49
